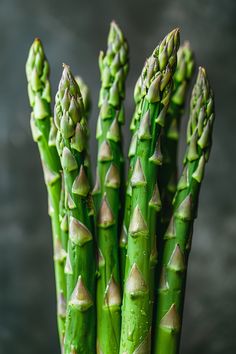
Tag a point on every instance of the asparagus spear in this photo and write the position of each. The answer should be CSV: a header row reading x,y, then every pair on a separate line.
x,y
113,68
156,84
178,235
71,123
169,170
37,72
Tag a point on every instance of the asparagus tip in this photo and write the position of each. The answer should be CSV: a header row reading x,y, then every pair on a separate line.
x,y
37,40
201,71
65,66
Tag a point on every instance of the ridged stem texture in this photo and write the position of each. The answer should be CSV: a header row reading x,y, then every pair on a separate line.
x,y
43,131
169,171
177,239
107,191
71,123
154,91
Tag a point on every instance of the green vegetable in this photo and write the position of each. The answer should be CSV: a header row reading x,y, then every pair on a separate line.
x,y
178,235
113,245
155,89
169,170
107,190
39,91
71,122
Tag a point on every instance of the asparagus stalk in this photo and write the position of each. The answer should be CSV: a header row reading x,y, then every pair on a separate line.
x,y
37,72
114,68
169,170
178,235
70,120
156,84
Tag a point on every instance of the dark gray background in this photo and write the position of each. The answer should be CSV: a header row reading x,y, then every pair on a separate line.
x,y
74,32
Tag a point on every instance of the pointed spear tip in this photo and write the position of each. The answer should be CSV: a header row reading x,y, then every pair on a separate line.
x,y
202,70
36,48
113,23
65,66
36,45
202,76
175,30
37,40
174,33
114,31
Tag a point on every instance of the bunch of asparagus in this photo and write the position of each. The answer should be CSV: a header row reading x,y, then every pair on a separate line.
x,y
121,249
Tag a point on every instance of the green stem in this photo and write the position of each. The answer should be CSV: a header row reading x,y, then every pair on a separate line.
x,y
145,202
37,72
107,191
170,137
72,136
177,239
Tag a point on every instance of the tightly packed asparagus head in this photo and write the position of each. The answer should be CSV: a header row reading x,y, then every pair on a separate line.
x,y
121,249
